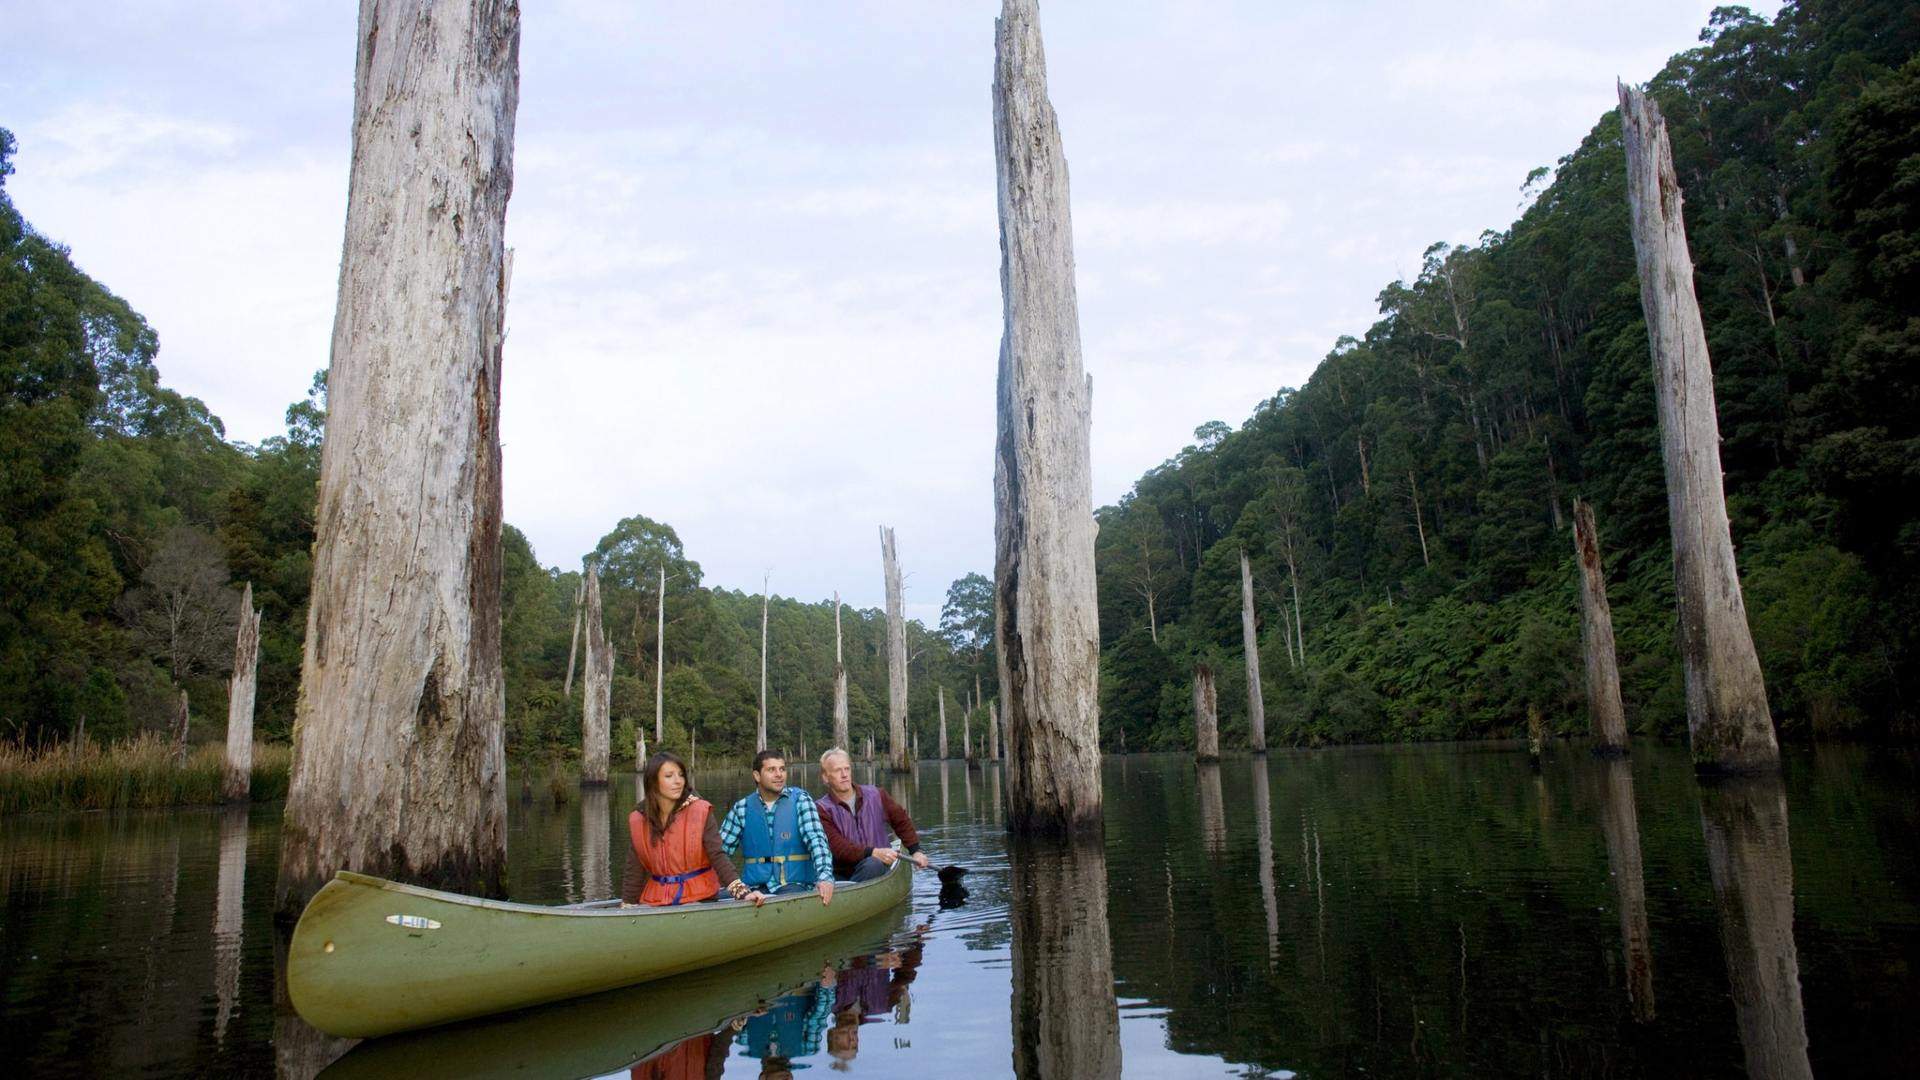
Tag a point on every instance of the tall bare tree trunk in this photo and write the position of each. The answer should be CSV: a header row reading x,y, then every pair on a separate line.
x,y
1596,634
1299,624
182,721
993,730
761,738
573,650
660,662
399,743
1250,641
1419,522
841,738
240,695
1727,713
1047,622
596,717
966,736
897,748
1206,715
942,695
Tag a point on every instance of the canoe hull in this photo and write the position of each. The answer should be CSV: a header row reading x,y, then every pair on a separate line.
x,y
371,957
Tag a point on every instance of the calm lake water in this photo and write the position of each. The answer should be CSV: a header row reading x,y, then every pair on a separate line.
x,y
1431,911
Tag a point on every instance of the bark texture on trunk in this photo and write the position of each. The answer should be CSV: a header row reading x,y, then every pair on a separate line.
x,y
1727,713
596,714
1250,641
238,780
1047,622
1751,862
399,753
573,650
942,695
1206,715
1596,635
1620,820
182,721
841,738
897,749
1066,1021
993,730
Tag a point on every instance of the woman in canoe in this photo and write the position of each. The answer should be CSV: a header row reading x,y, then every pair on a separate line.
x,y
675,855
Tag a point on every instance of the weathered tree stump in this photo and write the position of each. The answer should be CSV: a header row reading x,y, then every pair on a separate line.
x,y
1727,713
237,781
596,714
1047,635
897,749
399,754
1206,714
1250,641
841,738
1596,635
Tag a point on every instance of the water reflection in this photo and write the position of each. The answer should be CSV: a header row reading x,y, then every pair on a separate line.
x,y
1065,1019
686,1026
1213,809
596,851
1620,821
1751,860
1263,831
229,910
300,1050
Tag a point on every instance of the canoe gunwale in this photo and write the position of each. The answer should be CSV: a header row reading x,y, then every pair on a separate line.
x,y
571,911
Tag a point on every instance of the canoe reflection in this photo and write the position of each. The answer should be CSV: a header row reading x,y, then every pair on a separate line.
x,y
682,1026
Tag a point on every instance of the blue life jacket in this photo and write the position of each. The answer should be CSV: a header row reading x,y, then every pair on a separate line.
x,y
778,858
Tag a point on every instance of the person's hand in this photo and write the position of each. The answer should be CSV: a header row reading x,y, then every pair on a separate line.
x,y
755,897
826,893
828,977
624,905
920,859
886,855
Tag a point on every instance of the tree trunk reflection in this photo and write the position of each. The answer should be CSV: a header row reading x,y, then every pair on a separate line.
x,y
1621,823
229,910
1263,830
596,850
1745,821
1213,809
1065,1019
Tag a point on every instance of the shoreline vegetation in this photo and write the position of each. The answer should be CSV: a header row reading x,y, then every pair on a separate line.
x,y
143,772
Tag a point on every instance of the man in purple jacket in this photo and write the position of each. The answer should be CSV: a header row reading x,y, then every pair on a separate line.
x,y
856,818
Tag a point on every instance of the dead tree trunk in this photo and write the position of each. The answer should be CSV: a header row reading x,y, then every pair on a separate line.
x,y
596,717
399,746
182,720
1419,522
896,655
993,730
1596,634
240,694
1727,713
1047,623
840,736
1206,715
573,650
1256,703
761,743
942,695
966,736
660,662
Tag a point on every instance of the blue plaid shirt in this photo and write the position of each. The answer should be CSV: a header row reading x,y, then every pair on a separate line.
x,y
806,816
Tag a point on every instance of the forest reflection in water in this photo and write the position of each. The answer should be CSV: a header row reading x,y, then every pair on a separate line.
x,y
1397,911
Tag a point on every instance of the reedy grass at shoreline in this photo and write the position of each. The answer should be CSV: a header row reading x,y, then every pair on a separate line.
x,y
138,773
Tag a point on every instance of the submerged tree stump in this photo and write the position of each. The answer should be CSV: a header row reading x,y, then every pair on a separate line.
x,y
1250,641
399,755
1047,631
596,714
1596,635
897,749
238,779
1206,715
1727,712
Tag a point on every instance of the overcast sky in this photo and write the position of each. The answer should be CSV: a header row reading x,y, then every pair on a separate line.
x,y
756,281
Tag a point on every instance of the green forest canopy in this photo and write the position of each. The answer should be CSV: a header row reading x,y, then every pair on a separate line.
x,y
1413,495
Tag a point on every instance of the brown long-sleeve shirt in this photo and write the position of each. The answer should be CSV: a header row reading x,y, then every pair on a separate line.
x,y
636,875
847,852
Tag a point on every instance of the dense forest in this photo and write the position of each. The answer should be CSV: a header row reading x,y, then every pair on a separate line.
x,y
1407,511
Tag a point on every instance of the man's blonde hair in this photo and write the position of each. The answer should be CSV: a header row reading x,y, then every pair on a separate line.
x,y
832,753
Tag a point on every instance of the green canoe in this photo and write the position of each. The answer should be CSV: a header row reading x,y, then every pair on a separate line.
x,y
372,957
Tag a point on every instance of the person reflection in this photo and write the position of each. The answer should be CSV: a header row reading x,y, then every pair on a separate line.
x,y
1751,860
1621,822
703,1057
791,1026
868,989
1065,1019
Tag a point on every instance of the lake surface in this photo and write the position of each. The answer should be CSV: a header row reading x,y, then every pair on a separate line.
x,y
1430,911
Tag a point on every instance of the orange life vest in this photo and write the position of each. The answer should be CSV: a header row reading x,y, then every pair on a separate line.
x,y
676,860
688,1060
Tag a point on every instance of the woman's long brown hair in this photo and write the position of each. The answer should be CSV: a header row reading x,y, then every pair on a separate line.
x,y
649,805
